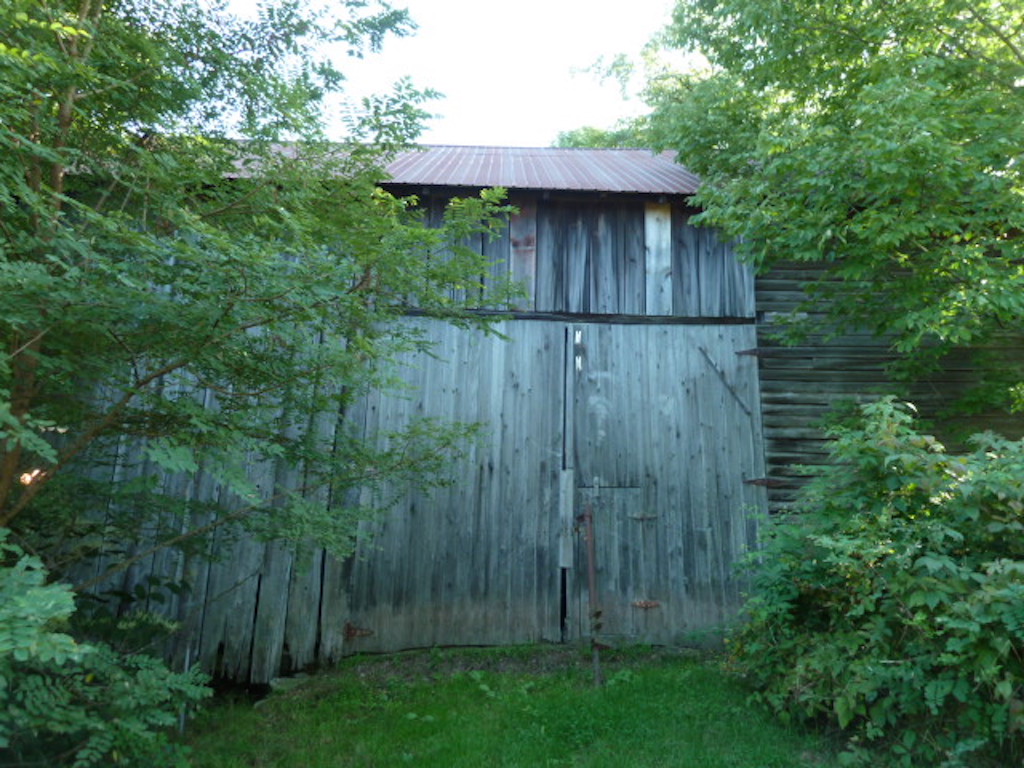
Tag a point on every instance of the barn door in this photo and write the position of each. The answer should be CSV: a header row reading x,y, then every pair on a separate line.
x,y
665,429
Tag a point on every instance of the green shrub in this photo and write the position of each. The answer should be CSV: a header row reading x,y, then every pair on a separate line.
x,y
68,703
891,601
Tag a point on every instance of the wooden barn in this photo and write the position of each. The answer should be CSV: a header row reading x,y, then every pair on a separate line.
x,y
637,386
620,392
617,392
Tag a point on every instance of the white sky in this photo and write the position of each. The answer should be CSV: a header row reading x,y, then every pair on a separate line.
x,y
506,69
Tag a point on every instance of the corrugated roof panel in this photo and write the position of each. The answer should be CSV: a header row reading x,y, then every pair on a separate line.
x,y
594,170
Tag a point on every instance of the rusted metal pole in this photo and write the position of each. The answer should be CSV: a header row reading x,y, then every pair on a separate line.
x,y
595,606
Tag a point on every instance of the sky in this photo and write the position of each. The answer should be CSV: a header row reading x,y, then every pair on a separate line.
x,y
512,72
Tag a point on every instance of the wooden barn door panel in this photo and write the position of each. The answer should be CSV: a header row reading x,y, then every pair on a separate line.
x,y
476,562
666,429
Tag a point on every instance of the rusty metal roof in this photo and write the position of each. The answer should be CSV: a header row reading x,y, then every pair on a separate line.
x,y
592,170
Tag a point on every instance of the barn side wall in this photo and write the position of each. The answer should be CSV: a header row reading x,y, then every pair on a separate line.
x,y
619,393
806,384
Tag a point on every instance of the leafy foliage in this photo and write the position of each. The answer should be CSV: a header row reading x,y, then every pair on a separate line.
x,y
890,601
623,135
882,139
66,703
178,285
194,285
28,608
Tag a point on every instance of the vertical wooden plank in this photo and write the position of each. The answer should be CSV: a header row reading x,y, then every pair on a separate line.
x,y
669,496
737,281
748,442
238,589
494,568
271,611
497,248
603,287
630,260
523,265
686,286
306,591
471,524
482,566
302,622
333,610
712,298
658,262
459,543
550,263
453,542
435,208
574,355
195,572
518,478
566,517
708,399
548,512
231,609
577,258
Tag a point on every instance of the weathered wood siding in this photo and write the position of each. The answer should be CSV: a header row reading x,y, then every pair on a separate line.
x,y
615,255
615,389
803,384
477,562
655,428
666,435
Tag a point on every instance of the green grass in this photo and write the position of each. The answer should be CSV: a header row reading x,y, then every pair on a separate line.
x,y
506,708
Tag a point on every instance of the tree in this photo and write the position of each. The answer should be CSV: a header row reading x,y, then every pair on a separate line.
x,y
883,139
192,279
630,75
175,278
626,134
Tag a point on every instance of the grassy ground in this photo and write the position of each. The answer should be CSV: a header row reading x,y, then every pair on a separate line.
x,y
506,707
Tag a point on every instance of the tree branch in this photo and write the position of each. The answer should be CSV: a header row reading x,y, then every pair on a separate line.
x,y
1000,35
32,490
31,342
174,540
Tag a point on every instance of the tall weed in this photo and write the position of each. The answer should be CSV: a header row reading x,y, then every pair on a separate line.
x,y
890,602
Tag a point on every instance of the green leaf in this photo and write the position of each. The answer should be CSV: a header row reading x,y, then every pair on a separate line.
x,y
173,458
